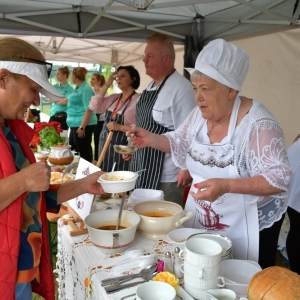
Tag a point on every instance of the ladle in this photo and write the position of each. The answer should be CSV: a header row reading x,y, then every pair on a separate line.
x,y
121,210
126,150
144,272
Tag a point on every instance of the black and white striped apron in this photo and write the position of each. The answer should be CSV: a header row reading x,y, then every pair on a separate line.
x,y
148,158
118,138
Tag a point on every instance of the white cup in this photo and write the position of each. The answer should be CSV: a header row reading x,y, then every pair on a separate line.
x,y
202,252
200,272
220,294
155,290
204,284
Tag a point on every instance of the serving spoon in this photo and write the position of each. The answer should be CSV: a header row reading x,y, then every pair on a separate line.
x,y
126,150
144,272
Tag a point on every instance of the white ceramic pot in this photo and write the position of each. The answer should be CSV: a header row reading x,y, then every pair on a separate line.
x,y
41,156
157,228
202,252
118,181
60,155
106,239
200,272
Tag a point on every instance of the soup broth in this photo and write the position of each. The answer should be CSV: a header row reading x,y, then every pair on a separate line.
x,y
157,214
110,227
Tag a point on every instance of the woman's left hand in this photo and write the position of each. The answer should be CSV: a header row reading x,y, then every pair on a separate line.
x,y
81,133
211,189
113,126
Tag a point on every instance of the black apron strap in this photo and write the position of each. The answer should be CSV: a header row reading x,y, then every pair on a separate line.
x,y
148,158
118,138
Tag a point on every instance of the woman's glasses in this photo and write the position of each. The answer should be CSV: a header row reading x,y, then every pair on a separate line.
x,y
48,65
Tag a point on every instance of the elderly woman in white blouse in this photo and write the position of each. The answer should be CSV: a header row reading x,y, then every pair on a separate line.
x,y
234,149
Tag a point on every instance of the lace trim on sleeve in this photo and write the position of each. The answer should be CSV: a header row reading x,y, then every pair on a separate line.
x,y
180,139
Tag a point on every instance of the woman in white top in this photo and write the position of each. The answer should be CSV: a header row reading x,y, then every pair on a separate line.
x,y
234,150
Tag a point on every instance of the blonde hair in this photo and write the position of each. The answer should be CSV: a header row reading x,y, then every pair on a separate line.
x,y
65,70
197,74
10,46
100,78
163,40
80,73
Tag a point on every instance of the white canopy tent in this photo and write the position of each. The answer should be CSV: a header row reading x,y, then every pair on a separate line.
x,y
110,31
114,31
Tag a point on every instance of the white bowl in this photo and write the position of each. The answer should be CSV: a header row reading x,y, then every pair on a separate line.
x,y
41,156
118,181
155,290
146,194
179,236
240,272
104,239
156,228
222,240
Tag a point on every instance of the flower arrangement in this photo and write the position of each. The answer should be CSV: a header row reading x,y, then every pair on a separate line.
x,y
46,135
167,277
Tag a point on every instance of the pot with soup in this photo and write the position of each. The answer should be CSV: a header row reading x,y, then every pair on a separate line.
x,y
102,229
158,218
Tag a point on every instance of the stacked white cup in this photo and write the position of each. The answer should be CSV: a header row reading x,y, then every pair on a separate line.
x,y
201,267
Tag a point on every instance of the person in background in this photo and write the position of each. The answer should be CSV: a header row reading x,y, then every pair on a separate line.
x,y
97,82
293,210
162,107
58,110
234,150
81,120
25,193
119,113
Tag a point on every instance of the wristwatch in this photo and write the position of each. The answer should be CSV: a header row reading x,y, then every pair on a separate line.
x,y
81,128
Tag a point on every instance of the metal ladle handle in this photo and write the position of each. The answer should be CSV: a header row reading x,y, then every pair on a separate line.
x,y
121,209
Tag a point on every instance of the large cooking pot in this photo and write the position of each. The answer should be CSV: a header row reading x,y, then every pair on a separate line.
x,y
158,218
112,241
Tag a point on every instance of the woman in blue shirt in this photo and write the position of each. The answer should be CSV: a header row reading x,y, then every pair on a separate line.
x,y
58,110
81,120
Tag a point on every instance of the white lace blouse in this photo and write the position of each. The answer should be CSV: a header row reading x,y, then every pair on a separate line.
x,y
259,150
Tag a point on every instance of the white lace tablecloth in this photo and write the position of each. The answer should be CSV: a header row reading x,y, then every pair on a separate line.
x,y
76,254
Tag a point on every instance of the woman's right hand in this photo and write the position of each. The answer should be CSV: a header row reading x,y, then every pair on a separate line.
x,y
111,79
36,177
142,138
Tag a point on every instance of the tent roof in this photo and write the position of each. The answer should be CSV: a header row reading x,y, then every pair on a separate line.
x,y
112,31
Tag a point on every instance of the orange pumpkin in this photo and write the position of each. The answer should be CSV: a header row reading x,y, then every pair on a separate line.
x,y
274,283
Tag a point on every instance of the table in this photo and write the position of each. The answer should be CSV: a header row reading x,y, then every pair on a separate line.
x,y
76,254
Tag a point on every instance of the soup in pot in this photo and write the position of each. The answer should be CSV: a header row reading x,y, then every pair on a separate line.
x,y
158,214
110,227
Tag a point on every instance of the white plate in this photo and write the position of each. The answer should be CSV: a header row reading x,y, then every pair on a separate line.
x,y
222,240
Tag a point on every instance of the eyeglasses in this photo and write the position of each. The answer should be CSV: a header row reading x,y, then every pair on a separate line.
x,y
48,65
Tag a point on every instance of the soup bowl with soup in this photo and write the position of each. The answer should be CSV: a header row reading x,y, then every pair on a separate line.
x,y
102,229
158,218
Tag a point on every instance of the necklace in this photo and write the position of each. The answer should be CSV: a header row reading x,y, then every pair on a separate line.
x,y
114,113
216,124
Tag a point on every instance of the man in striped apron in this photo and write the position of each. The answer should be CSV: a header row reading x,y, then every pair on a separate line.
x,y
162,107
